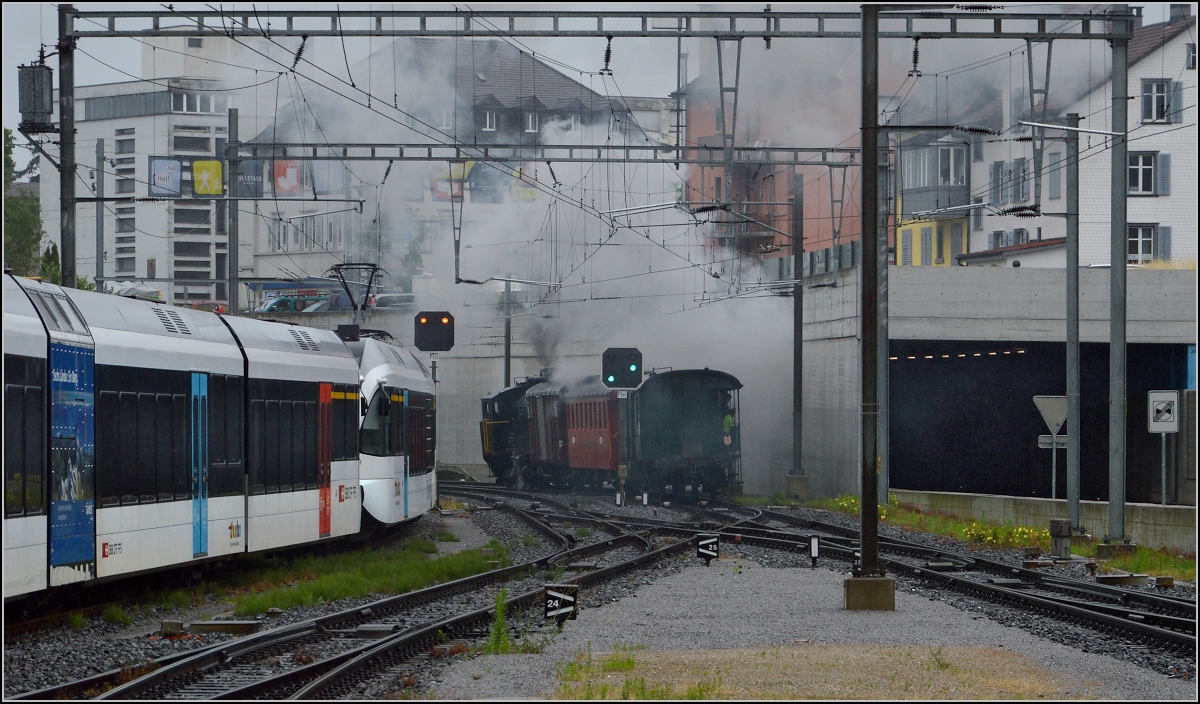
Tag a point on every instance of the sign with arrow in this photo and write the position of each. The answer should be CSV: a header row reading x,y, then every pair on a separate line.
x,y
561,601
708,547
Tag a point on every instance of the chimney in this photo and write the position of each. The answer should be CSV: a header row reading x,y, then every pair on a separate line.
x,y
1180,11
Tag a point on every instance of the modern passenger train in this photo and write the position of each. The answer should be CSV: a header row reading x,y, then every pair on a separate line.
x,y
140,436
677,433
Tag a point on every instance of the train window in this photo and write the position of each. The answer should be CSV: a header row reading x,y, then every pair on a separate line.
x,y
373,437
216,427
337,425
287,450
14,450
164,442
396,422
233,420
258,444
310,445
180,459
274,453
108,446
351,432
127,479
48,316
35,457
146,447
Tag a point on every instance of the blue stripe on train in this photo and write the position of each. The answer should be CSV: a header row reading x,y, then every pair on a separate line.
x,y
199,455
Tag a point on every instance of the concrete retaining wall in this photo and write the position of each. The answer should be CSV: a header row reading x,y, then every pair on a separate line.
x,y
1170,527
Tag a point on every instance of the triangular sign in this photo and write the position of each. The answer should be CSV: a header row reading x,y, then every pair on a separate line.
x,y
1054,411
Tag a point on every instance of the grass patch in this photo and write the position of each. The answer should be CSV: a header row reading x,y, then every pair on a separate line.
x,y
447,503
445,536
116,614
1153,562
310,580
76,620
582,532
529,540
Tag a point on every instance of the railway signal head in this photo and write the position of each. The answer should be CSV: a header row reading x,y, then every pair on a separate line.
x,y
433,331
622,367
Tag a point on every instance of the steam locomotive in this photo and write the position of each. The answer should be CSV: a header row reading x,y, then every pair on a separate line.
x,y
677,433
140,436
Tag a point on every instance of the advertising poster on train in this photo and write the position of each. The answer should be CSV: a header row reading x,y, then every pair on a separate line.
x,y
72,464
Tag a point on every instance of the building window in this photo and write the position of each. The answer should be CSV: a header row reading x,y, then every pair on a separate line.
x,y
952,166
1141,243
1155,99
447,119
1054,162
193,144
997,193
1190,56
906,248
125,225
1020,180
915,168
151,269
195,42
1141,174
126,265
125,146
124,185
573,122
489,120
531,122
977,214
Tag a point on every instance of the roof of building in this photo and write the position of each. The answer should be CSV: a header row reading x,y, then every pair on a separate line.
x,y
486,74
1000,252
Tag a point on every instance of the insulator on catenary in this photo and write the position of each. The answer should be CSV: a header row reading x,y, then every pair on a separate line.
x,y
979,8
606,71
300,51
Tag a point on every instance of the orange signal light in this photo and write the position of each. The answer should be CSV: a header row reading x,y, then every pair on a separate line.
x,y
445,320
424,320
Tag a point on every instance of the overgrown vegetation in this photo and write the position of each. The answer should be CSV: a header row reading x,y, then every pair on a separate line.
x,y
1144,560
304,581
447,503
76,620
445,536
118,615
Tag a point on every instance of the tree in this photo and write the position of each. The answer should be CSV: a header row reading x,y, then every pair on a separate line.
x,y
23,232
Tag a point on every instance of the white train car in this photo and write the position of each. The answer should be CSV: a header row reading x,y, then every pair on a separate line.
x,y
302,460
26,356
169,464
397,431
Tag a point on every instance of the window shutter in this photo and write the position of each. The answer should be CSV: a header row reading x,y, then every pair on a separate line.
x,y
1162,174
1162,242
1006,181
926,246
906,248
1175,109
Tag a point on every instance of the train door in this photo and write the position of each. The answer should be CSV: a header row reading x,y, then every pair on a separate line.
x,y
199,464
324,435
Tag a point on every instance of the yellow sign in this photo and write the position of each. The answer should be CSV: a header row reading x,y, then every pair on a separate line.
x,y
206,178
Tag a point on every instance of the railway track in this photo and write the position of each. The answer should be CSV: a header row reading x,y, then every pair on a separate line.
x,y
311,658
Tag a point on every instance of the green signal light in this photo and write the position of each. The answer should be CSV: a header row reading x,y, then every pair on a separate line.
x,y
633,367
611,378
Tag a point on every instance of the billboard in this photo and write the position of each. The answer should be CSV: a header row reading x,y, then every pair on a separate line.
x,y
287,179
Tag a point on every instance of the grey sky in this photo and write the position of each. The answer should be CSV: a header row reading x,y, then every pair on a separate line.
x,y
640,67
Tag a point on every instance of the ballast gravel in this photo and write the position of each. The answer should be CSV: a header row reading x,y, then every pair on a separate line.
x,y
750,597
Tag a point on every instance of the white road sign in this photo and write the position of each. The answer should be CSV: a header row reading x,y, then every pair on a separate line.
x,y
1163,411
1052,442
1054,411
